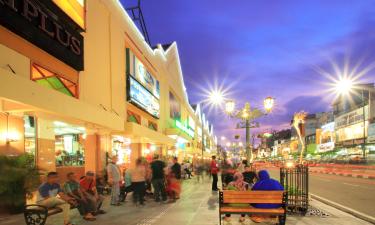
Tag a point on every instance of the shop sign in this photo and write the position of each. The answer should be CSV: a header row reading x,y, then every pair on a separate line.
x,y
174,107
185,128
44,24
325,147
328,127
351,132
144,77
353,117
371,133
191,122
143,98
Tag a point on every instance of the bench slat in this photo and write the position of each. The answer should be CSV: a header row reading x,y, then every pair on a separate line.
x,y
253,200
251,210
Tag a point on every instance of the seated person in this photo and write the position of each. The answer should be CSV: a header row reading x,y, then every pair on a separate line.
x,y
249,175
238,184
73,190
50,195
265,183
88,188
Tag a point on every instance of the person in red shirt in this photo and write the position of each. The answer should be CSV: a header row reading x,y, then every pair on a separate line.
x,y
88,188
214,171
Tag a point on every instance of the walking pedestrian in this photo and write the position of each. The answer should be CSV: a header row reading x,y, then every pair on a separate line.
x,y
158,179
214,171
114,179
175,180
138,176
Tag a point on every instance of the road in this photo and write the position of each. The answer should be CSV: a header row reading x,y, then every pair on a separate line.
x,y
355,193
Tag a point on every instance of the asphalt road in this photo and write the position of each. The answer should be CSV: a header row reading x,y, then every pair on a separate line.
x,y
355,193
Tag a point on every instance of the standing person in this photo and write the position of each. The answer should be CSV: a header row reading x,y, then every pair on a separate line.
x,y
50,195
88,188
114,179
158,182
73,190
127,187
214,171
138,176
199,170
175,180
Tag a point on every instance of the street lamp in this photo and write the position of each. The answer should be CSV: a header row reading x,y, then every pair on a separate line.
x,y
216,97
248,115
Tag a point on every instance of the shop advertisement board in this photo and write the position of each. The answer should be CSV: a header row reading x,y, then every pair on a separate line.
x,y
141,97
325,147
371,133
350,132
145,78
353,117
174,107
75,9
45,25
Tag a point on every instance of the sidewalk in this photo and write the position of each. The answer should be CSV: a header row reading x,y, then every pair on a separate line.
x,y
197,206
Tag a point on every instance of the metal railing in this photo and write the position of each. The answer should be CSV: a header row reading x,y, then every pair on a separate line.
x,y
295,181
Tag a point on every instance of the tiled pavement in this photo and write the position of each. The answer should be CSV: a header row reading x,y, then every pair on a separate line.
x,y
197,206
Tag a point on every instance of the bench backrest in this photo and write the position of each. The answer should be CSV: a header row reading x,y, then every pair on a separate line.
x,y
276,197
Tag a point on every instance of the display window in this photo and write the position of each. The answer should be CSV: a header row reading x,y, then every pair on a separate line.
x,y
69,144
30,135
121,148
52,80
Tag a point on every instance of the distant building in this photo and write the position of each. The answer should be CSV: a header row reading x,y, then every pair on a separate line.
x,y
354,121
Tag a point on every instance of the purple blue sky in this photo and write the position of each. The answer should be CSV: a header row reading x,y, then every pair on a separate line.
x,y
263,48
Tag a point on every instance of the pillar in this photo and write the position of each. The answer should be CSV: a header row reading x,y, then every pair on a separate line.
x,y
46,156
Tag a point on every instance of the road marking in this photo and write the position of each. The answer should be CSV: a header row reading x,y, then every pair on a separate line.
x,y
354,185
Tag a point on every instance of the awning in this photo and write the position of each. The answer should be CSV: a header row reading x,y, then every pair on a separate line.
x,y
179,133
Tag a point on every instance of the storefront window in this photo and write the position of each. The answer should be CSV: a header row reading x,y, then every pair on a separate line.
x,y
69,144
121,148
52,80
30,136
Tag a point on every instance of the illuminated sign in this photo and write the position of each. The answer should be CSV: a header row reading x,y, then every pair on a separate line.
x,y
75,9
351,132
329,146
185,128
136,69
43,24
353,117
141,97
371,133
191,123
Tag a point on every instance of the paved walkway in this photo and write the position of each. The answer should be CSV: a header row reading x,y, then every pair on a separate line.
x,y
197,206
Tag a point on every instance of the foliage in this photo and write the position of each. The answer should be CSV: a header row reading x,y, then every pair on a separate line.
x,y
18,179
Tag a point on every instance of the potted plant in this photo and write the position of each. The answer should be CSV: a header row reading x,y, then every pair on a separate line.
x,y
19,177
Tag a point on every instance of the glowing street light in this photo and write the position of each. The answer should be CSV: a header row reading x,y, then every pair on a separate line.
x,y
228,144
216,97
268,104
230,106
344,86
222,138
240,144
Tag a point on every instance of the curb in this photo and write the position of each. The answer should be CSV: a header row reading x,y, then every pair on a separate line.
x,y
338,206
345,174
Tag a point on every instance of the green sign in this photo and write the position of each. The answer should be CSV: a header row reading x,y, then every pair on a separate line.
x,y
185,128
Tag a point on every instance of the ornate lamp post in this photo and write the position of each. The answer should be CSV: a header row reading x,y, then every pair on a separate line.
x,y
247,116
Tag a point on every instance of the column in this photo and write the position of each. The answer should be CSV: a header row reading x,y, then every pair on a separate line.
x,y
46,155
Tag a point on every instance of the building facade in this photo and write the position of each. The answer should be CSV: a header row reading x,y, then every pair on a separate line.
x,y
78,83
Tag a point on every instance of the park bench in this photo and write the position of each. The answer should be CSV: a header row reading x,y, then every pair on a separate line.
x,y
228,197
37,214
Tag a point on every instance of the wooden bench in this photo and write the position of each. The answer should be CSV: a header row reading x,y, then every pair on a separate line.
x,y
37,214
228,197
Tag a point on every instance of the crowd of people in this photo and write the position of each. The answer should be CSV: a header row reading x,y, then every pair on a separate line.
x,y
243,177
159,178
